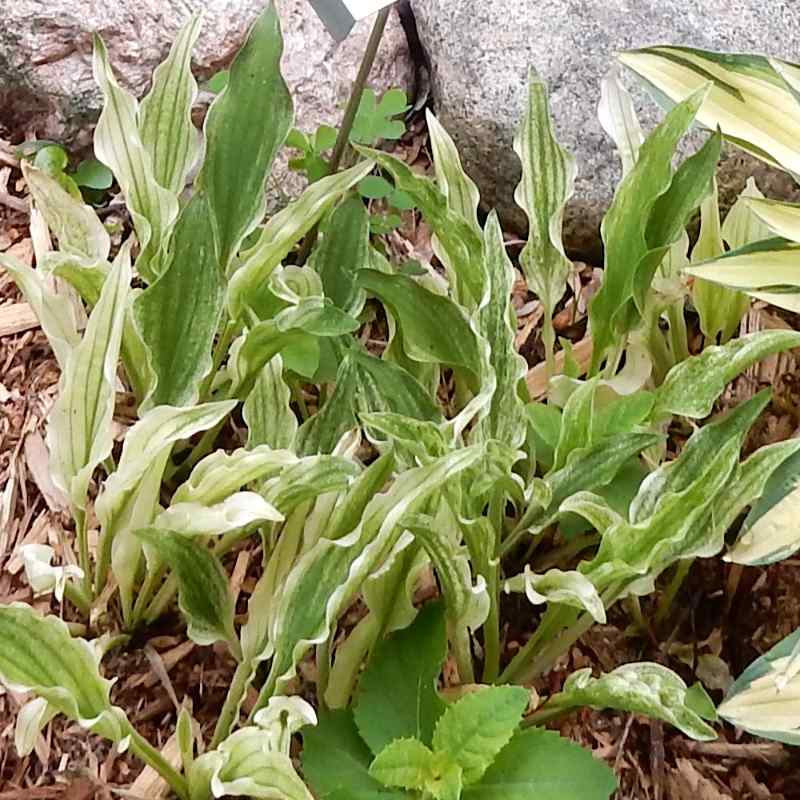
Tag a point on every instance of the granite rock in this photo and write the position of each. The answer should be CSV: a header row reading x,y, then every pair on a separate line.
x,y
480,53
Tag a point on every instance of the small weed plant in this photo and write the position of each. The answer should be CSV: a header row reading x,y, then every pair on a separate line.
x,y
422,456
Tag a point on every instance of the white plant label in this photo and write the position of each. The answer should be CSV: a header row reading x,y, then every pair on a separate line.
x,y
339,16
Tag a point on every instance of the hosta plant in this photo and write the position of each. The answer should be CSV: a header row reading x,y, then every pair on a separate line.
x,y
378,431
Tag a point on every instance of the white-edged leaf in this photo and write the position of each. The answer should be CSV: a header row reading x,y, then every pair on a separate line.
x,y
240,510
41,575
79,434
618,118
568,588
267,410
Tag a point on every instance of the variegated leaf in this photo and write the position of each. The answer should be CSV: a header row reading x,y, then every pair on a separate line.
x,y
618,118
267,410
240,510
554,586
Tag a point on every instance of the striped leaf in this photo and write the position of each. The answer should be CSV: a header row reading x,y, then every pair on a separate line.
x,y
165,117
548,181
117,144
555,586
618,118
267,410
749,101
282,232
240,510
204,596
79,434
246,126
178,315
692,387
76,225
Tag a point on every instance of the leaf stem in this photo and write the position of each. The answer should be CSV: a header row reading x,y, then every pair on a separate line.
x,y
349,117
153,758
233,701
220,351
668,598
491,638
84,558
76,594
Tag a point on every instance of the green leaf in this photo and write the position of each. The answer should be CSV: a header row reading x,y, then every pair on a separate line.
x,y
541,764
72,222
203,593
745,95
165,116
577,423
281,233
267,410
240,147
51,159
642,688
93,174
475,729
763,700
373,187
691,387
54,311
79,431
548,179
624,228
218,81
406,763
374,121
118,144
568,588
39,655
409,661
343,251
179,314
336,761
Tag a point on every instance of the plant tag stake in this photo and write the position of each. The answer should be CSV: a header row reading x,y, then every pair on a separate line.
x,y
339,16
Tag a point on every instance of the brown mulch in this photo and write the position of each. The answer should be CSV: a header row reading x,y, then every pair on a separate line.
x,y
715,618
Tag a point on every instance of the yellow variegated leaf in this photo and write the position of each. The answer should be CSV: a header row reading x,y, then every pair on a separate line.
x,y
782,219
749,101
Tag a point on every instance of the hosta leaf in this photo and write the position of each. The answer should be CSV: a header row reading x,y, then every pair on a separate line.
x,y
771,531
624,230
54,311
459,245
267,410
692,387
409,661
541,764
744,96
118,145
475,729
179,314
39,655
203,592
767,270
165,117
577,421
763,700
240,146
336,762
76,225
741,225
568,588
79,432
643,688
281,233
618,118
221,473
240,510
548,181
505,421
343,251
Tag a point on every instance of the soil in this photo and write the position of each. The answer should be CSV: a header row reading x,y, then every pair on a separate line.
x,y
721,619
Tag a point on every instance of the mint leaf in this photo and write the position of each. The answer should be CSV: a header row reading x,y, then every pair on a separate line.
x,y
406,763
476,728
396,695
336,762
539,763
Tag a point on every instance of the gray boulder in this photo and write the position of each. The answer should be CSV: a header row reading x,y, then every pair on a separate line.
x,y
46,85
480,53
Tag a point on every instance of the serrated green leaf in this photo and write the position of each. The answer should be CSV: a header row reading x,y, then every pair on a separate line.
x,y
203,592
79,431
76,226
240,148
406,763
642,688
336,761
691,387
281,233
118,144
343,251
568,588
473,731
548,180
165,116
541,764
267,410
409,661
179,314
39,655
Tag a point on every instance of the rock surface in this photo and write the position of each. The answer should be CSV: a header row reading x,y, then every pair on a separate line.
x,y
46,84
480,53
